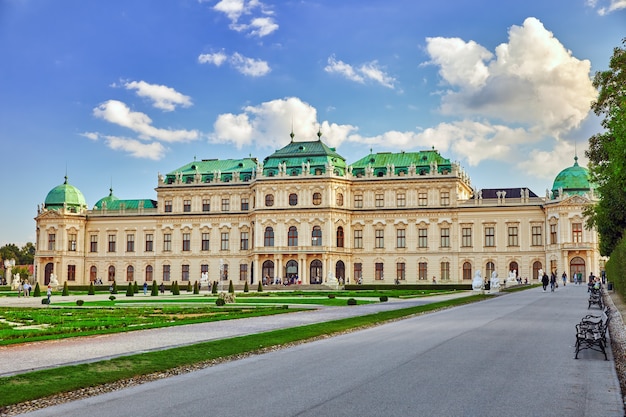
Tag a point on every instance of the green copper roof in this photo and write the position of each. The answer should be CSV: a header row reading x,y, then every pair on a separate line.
x,y
65,195
207,169
111,202
401,162
573,180
315,156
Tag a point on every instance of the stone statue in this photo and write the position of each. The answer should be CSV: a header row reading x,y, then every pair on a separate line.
x,y
16,281
53,281
512,279
540,274
495,281
477,283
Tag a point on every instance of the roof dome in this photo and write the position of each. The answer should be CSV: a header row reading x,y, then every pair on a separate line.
x,y
573,180
65,195
106,201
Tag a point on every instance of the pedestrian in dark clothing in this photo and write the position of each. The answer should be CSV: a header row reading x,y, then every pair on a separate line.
x,y
545,281
552,281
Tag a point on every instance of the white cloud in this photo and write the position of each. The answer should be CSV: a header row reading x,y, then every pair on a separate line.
x,y
257,21
118,113
533,80
163,97
137,149
246,66
268,125
613,6
90,135
369,71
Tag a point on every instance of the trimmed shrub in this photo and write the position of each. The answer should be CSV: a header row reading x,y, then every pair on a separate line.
x,y
80,302
196,288
135,288
114,289
175,288
37,292
231,287
155,289
91,290
66,290
220,302
351,302
129,291
214,288
383,298
245,287
45,301
189,289
331,296
259,288
111,297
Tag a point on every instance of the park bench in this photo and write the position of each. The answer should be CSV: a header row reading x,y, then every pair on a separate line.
x,y
595,298
591,333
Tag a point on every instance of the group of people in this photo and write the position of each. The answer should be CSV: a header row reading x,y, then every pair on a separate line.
x,y
24,288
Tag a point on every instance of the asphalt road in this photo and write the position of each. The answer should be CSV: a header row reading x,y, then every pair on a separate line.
x,y
508,356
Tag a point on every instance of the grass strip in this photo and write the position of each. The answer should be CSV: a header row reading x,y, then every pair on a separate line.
x,y
39,384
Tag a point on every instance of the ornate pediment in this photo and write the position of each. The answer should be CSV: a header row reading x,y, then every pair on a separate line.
x,y
575,200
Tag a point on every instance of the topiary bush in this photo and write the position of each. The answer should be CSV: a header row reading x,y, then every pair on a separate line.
x,y
331,296
175,288
129,291
66,290
92,290
246,288
196,287
111,297
45,301
80,302
37,292
231,287
259,288
189,288
214,288
114,288
351,302
383,298
220,302
135,288
155,289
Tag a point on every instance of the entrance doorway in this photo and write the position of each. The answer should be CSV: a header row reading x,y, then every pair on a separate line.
x,y
340,272
316,275
291,271
267,274
577,266
47,273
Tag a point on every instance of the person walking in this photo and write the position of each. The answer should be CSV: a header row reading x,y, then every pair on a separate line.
x,y
145,288
545,281
49,294
564,276
552,281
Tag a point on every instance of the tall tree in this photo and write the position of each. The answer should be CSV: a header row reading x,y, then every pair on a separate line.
x,y
607,153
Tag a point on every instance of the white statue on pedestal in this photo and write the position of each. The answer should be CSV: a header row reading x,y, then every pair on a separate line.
x,y
54,283
495,282
16,281
512,278
477,283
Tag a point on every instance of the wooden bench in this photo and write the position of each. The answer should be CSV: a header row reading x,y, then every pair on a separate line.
x,y
591,333
595,298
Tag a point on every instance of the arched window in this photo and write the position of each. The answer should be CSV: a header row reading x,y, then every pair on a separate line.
x,y
268,237
340,271
316,272
513,266
467,270
267,272
536,267
340,237
316,236
317,199
93,274
130,273
111,273
293,199
490,267
292,236
149,273
269,200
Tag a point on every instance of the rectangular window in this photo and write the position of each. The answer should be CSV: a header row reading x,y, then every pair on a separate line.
x,y
400,271
445,198
358,239
185,273
71,272
513,236
422,271
167,242
130,242
537,238
205,241
206,204
358,272
445,271
186,242
244,241
466,237
112,241
245,204
358,201
401,200
243,272
577,232
490,236
52,239
401,238
422,199
225,204
71,242
149,242
445,237
553,230
225,236
380,238
93,243
422,237
168,206
187,206
379,272
380,200
166,272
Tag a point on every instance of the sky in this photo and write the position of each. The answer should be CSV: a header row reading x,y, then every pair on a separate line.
x,y
112,93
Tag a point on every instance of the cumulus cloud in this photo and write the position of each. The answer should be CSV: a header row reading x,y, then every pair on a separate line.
x,y
118,113
268,125
370,71
135,148
604,9
532,80
162,97
251,17
246,66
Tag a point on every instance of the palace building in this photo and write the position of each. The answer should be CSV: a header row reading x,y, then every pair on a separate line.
x,y
304,215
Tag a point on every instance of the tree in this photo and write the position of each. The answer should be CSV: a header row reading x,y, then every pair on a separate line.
x,y
607,151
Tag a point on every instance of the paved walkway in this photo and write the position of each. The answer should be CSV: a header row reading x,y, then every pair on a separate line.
x,y
40,355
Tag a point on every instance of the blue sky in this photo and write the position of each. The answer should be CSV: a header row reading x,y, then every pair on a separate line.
x,y
115,92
